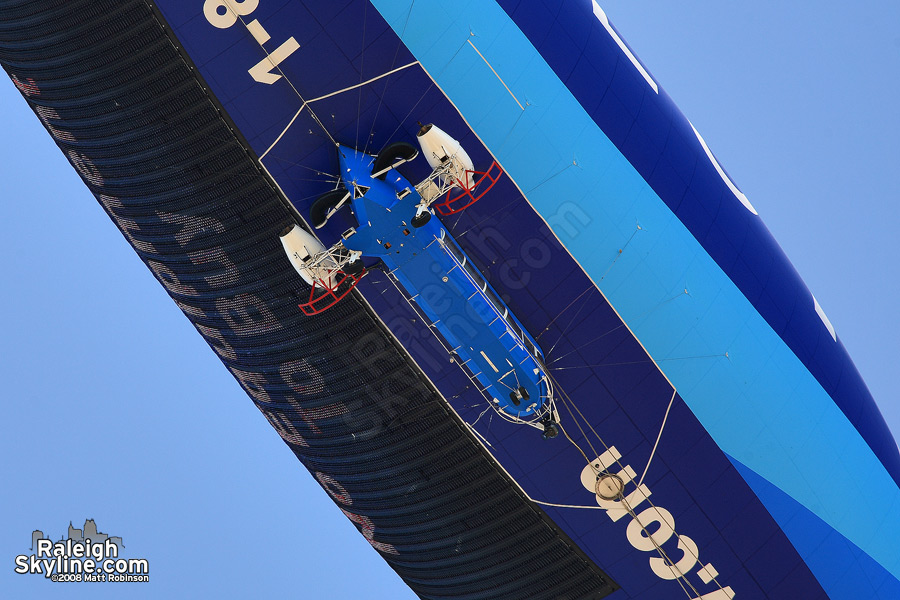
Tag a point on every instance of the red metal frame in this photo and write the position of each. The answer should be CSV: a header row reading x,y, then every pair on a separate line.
x,y
329,296
466,198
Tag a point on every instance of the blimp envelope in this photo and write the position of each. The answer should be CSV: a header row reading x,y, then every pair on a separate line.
x,y
697,413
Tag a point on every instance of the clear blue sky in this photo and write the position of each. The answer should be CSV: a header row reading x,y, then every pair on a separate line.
x,y
115,408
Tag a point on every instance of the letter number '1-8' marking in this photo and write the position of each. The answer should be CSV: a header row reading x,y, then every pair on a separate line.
x,y
225,13
262,71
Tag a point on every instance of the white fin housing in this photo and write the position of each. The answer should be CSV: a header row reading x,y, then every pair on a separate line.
x,y
302,248
440,149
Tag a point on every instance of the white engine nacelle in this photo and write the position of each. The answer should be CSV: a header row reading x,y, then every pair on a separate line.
x,y
439,149
301,247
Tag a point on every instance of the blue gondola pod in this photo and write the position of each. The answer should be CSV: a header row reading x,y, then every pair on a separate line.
x,y
393,223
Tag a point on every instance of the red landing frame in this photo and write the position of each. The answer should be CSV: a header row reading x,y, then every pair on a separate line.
x,y
322,296
466,198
